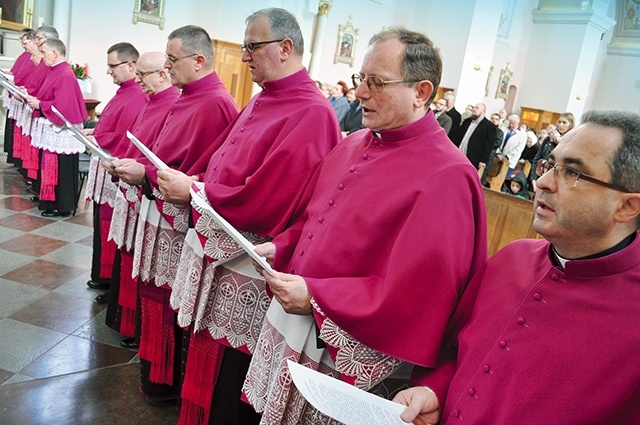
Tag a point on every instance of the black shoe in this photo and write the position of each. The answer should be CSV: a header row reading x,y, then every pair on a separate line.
x,y
103,298
35,198
97,285
129,343
160,402
55,213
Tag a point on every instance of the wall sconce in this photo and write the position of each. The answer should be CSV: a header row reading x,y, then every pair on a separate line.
x,y
477,65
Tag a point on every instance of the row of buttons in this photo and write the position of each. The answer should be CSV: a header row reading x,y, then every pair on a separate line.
x,y
502,344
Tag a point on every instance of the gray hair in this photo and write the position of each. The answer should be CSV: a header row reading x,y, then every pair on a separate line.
x,y
55,44
421,60
124,51
625,164
48,31
195,41
28,34
282,24
514,116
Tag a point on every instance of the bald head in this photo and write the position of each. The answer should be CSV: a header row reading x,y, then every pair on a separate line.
x,y
151,73
149,61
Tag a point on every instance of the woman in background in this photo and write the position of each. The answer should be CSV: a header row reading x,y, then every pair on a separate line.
x,y
566,122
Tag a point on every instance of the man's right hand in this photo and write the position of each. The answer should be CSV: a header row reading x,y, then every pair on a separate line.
x,y
422,406
130,171
267,250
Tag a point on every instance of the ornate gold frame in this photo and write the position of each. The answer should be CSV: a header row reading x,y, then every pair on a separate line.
x,y
149,11
502,91
346,47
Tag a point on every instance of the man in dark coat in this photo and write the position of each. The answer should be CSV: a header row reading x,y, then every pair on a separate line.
x,y
476,136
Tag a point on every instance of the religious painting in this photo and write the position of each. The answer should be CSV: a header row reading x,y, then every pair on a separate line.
x,y
149,11
16,14
628,24
502,92
346,48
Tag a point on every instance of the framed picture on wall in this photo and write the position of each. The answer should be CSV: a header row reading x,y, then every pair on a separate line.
x,y
149,11
502,92
346,48
628,25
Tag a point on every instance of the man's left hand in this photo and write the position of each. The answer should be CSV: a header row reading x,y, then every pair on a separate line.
x,y
291,292
174,186
33,102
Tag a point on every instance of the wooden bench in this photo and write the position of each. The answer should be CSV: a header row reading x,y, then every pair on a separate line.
x,y
508,218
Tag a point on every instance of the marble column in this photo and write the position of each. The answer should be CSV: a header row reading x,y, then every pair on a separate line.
x,y
318,40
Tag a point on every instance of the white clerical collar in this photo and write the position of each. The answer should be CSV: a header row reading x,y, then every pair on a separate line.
x,y
561,260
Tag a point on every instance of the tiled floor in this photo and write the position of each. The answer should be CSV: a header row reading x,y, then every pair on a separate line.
x,y
59,362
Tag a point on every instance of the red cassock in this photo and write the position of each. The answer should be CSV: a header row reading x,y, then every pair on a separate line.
x,y
543,344
126,210
117,117
254,179
20,69
194,122
392,230
60,88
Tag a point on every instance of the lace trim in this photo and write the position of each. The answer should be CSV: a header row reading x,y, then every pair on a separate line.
x,y
354,359
235,308
157,245
196,289
46,135
125,215
179,213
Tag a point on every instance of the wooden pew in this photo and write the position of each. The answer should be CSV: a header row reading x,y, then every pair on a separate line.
x,y
508,218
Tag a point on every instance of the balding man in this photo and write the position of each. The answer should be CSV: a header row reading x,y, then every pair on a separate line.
x,y
201,113
476,136
155,81
110,134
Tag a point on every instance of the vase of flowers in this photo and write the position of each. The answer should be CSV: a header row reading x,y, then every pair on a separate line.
x,y
82,75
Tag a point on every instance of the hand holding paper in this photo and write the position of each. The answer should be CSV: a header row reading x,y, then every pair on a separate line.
x,y
248,247
344,402
174,186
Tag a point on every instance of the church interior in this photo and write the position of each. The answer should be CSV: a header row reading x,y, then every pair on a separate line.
x,y
59,363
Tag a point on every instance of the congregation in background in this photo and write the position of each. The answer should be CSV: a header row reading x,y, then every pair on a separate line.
x,y
367,199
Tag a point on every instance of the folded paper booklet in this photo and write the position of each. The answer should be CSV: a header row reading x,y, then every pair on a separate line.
x,y
81,137
344,402
160,165
233,232
13,89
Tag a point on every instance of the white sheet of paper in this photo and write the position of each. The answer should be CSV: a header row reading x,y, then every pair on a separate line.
x,y
344,402
81,137
231,231
160,165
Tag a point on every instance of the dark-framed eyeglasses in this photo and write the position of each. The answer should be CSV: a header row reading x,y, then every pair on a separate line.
x,y
374,83
142,75
175,59
571,177
115,65
251,47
